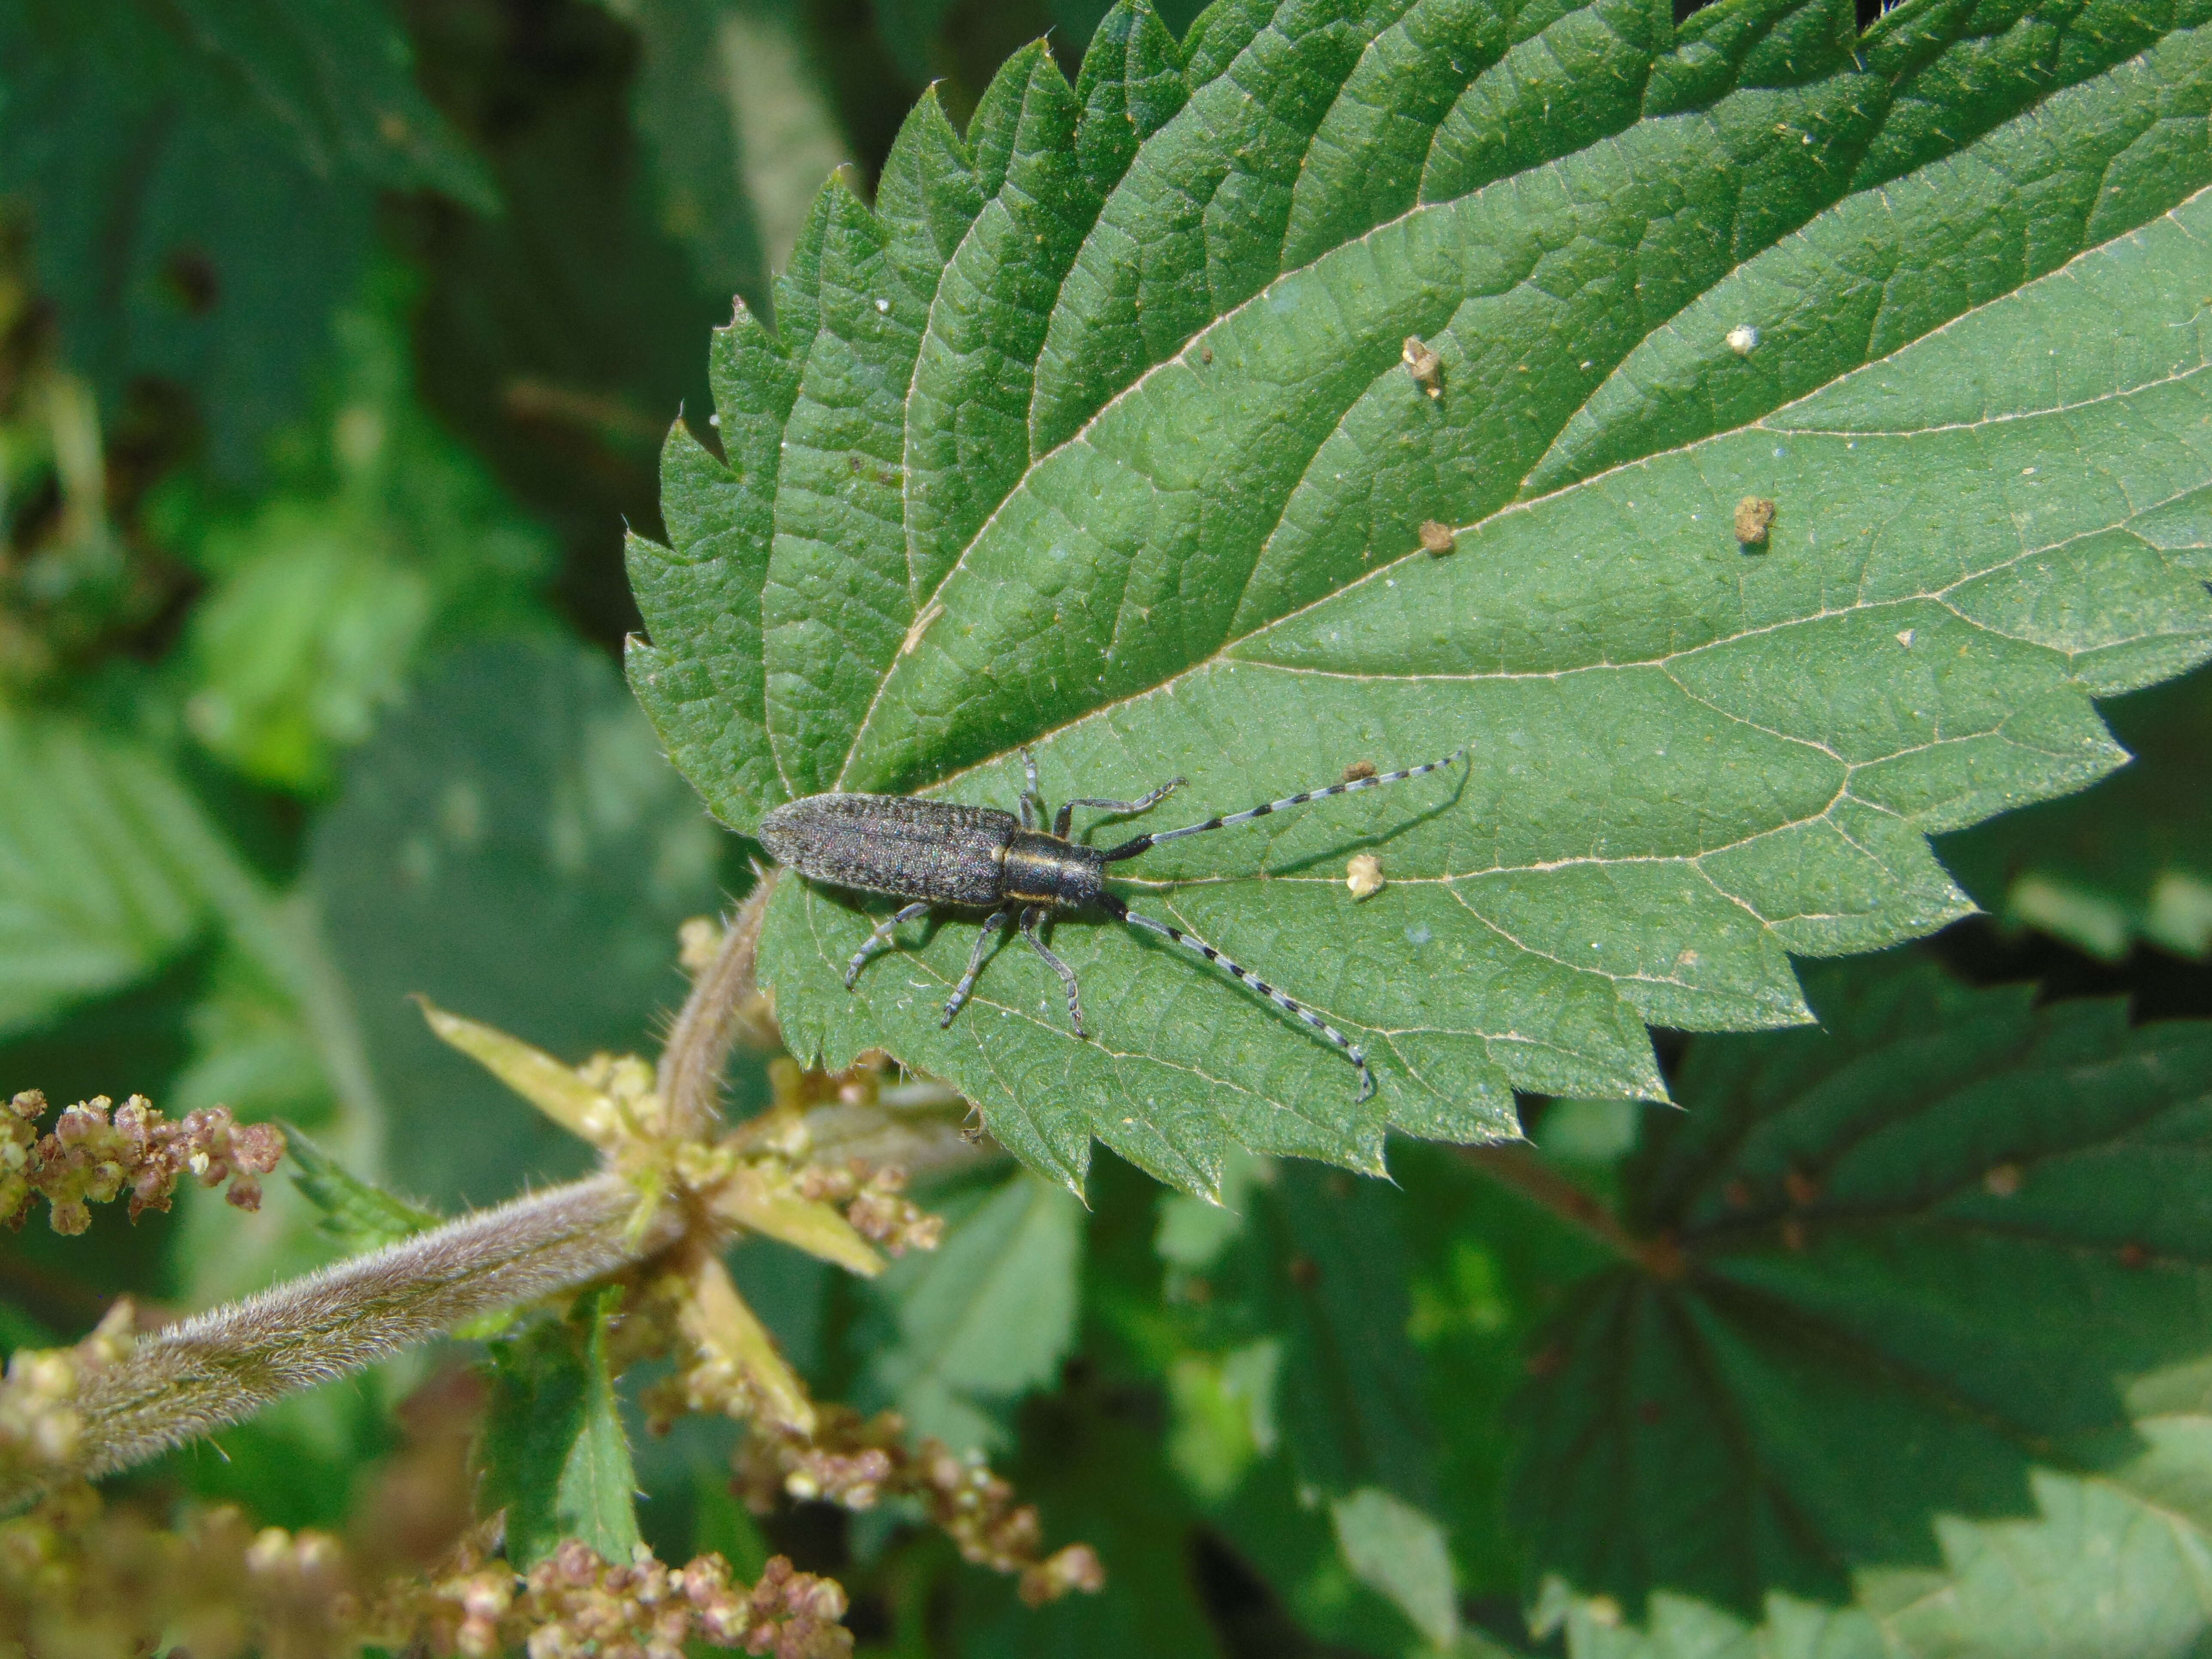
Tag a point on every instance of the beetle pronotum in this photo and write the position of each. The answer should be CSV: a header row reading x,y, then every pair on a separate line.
x,y
977,858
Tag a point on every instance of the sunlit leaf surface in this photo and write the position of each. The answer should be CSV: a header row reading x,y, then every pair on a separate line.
x,y
1099,434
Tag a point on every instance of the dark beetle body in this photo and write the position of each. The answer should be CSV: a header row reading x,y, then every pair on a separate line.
x,y
934,853
972,857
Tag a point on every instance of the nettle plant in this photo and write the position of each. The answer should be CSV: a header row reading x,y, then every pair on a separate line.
x,y
1114,430
1758,440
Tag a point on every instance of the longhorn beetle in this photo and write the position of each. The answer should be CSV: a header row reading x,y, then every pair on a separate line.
x,y
978,858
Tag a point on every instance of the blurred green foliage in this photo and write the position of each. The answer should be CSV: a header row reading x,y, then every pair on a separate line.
x,y
338,341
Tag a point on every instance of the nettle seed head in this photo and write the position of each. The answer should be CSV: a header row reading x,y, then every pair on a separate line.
x,y
96,1151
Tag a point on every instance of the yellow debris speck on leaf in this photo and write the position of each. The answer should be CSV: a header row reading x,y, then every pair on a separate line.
x,y
1754,514
1424,366
1364,876
1437,537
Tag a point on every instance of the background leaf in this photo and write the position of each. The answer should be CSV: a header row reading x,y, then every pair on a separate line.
x,y
335,77
2103,1567
737,134
203,178
1188,544
554,1452
1401,1552
383,537
1902,1265
983,1319
1322,1263
98,849
512,847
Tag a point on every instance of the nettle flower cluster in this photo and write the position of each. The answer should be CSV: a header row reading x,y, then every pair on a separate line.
x,y
79,1577
824,1170
98,1151
575,1604
41,1429
856,1462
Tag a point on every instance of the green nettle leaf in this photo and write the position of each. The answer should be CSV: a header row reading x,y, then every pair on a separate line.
x,y
103,860
337,80
1099,435
359,1214
983,1319
2109,1567
1948,1258
2129,859
1490,1268
203,178
1321,1266
1401,1552
553,1451
294,654
321,594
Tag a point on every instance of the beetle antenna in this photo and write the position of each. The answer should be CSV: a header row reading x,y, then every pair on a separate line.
x,y
1129,849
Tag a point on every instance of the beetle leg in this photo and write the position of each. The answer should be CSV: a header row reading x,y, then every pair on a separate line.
x,y
995,920
1032,798
1119,808
1031,917
880,939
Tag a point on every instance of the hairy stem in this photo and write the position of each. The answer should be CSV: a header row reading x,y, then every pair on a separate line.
x,y
690,1069
221,1366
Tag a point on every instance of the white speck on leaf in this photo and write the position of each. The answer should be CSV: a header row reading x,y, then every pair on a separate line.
x,y
1743,339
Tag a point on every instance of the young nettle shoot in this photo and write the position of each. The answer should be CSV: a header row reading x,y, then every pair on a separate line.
x,y
939,854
